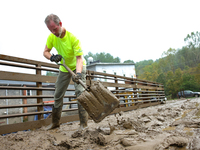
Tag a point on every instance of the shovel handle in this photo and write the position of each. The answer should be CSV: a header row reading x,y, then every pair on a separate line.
x,y
72,73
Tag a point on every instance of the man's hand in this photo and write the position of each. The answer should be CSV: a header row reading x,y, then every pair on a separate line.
x,y
56,58
77,77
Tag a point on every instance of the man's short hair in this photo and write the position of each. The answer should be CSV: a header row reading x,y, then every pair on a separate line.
x,y
52,17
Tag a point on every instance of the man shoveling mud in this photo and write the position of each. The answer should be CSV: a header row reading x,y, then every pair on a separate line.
x,y
68,47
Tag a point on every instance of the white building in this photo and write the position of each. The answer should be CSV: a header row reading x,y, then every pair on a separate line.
x,y
122,69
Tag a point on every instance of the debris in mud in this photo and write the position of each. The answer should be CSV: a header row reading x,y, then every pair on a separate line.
x,y
175,141
173,125
195,144
100,139
69,144
145,120
127,125
160,118
127,142
189,124
77,134
112,128
120,113
105,131
65,144
130,132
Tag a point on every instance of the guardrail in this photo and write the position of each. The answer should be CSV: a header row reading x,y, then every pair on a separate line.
x,y
132,93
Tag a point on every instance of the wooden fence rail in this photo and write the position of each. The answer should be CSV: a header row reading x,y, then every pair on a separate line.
x,y
132,93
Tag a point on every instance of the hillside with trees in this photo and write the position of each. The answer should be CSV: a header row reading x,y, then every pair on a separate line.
x,y
178,69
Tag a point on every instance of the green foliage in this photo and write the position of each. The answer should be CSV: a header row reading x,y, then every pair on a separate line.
x,y
197,74
128,61
117,60
177,69
49,73
189,82
103,57
193,40
161,78
140,66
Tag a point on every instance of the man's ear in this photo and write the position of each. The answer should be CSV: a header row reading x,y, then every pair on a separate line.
x,y
60,23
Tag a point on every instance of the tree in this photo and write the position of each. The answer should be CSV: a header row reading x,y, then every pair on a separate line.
x,y
128,61
178,80
189,82
170,51
103,57
117,60
170,58
49,73
89,55
193,40
163,65
197,74
170,88
139,66
161,78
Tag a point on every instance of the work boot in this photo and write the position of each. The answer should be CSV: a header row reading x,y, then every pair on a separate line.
x,y
83,117
56,114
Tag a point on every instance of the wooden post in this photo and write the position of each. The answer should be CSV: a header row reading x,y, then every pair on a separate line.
x,y
135,93
25,110
39,92
116,88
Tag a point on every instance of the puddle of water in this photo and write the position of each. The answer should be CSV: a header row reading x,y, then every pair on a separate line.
x,y
177,119
198,113
59,137
169,128
188,131
185,113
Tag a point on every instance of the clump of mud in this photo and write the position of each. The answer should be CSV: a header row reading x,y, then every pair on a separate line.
x,y
28,140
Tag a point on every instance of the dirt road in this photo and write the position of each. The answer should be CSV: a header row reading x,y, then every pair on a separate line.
x,y
174,125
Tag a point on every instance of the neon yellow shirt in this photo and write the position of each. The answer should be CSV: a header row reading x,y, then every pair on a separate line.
x,y
68,46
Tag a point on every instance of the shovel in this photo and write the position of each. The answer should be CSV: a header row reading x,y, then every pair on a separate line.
x,y
98,101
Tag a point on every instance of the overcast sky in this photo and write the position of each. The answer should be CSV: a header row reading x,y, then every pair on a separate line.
x,y
129,29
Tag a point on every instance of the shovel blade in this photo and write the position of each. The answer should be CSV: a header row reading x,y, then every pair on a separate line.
x,y
99,102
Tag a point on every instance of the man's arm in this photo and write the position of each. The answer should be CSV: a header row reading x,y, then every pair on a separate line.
x,y
79,64
46,52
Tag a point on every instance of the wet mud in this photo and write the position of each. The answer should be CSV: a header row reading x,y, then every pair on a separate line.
x,y
171,126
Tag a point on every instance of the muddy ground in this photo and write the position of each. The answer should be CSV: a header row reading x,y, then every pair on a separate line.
x,y
172,126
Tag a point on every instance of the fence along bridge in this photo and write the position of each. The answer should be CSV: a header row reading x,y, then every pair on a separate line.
x,y
132,93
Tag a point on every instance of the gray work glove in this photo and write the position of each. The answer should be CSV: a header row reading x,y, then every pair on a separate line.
x,y
77,77
56,58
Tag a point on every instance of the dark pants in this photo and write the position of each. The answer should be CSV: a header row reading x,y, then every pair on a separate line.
x,y
62,84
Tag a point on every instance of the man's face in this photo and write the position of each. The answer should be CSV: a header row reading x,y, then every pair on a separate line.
x,y
54,28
